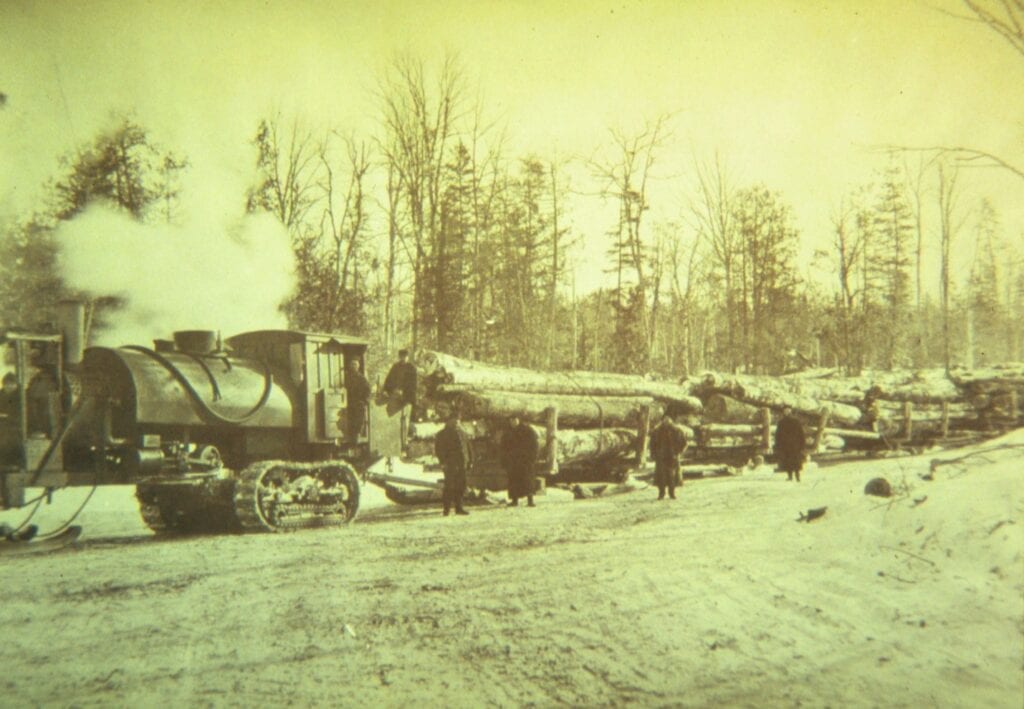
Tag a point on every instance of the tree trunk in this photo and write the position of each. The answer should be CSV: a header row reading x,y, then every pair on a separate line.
x,y
573,411
724,409
579,446
443,369
772,393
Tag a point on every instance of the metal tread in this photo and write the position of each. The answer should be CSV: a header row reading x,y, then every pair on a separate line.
x,y
295,516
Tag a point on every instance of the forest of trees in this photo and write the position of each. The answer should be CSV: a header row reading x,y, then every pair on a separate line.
x,y
430,233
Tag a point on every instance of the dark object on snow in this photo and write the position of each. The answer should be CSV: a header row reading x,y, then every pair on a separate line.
x,y
451,446
518,453
668,441
26,534
879,487
790,445
812,515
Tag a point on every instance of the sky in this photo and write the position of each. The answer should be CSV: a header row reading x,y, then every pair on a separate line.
x,y
789,93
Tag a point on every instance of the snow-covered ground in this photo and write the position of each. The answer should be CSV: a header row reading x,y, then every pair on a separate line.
x,y
718,599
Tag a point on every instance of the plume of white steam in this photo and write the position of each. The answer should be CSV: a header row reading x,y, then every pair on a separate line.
x,y
212,272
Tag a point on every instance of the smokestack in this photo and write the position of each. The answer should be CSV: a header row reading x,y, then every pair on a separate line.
x,y
71,323
200,342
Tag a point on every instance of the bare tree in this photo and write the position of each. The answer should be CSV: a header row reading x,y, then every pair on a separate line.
x,y
849,244
287,164
685,264
1005,18
715,225
625,177
949,225
915,177
419,121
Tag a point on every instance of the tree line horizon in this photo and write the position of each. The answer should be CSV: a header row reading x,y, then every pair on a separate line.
x,y
473,256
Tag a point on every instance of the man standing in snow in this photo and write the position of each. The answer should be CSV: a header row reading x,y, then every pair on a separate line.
x,y
518,455
790,444
451,446
668,441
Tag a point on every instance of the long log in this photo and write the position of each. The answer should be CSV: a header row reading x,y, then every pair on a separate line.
x,y
845,391
926,391
776,397
720,408
730,429
1010,374
845,433
428,430
444,369
573,411
581,445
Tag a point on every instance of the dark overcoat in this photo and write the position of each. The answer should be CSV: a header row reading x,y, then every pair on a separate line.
x,y
357,386
451,446
518,456
668,441
790,444
400,384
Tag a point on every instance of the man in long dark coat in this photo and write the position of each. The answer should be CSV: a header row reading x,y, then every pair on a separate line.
x,y
790,444
400,391
518,456
668,441
451,446
357,387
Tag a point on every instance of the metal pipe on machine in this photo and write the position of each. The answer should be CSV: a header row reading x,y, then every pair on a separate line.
x,y
71,323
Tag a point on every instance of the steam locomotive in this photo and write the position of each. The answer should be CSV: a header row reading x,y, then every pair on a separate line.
x,y
252,434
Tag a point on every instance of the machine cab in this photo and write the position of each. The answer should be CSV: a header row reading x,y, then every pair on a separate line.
x,y
336,403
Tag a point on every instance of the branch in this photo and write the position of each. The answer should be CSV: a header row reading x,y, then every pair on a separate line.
x,y
964,156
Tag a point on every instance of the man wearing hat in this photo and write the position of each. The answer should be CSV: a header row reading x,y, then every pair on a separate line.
x,y
518,455
400,391
668,441
358,394
451,446
790,444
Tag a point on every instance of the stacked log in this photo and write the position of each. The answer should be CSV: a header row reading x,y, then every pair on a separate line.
x,y
457,374
600,421
583,420
577,446
573,411
934,391
720,408
996,392
762,392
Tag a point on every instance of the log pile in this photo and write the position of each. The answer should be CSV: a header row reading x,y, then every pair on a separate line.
x,y
768,392
447,375
599,421
573,411
584,420
875,408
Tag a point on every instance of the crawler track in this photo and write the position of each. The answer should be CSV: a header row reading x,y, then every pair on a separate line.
x,y
177,508
280,496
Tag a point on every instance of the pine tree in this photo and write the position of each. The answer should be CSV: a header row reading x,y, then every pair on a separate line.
x,y
890,249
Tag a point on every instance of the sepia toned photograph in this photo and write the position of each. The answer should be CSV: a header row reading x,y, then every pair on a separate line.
x,y
512,353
